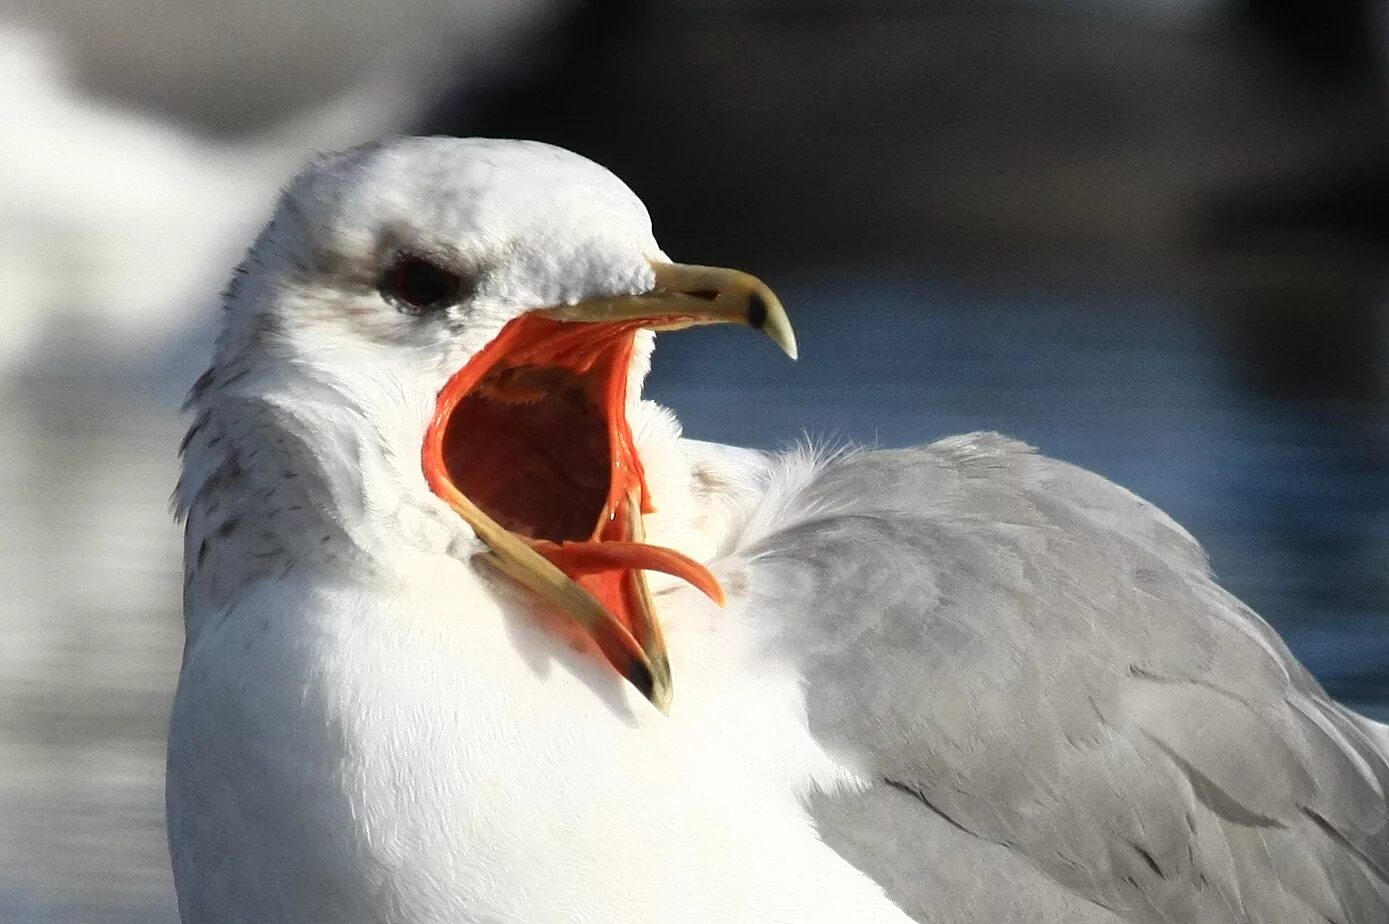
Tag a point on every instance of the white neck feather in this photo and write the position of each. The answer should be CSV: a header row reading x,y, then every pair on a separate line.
x,y
280,476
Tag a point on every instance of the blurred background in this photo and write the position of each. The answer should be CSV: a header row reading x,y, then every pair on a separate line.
x,y
1148,236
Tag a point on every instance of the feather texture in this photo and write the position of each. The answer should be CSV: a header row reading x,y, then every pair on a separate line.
x,y
1064,717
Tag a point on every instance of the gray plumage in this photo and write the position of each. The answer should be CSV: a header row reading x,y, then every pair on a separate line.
x,y
1066,718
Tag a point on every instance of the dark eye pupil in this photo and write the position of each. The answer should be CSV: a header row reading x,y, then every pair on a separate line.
x,y
420,284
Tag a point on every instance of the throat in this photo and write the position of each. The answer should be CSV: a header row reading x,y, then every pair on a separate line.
x,y
541,442
541,467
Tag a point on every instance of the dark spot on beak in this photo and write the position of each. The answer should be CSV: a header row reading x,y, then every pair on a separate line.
x,y
641,678
757,311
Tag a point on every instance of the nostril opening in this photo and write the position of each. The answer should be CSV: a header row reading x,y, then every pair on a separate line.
x,y
708,295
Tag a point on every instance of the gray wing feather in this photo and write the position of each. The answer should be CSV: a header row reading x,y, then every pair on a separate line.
x,y
1066,718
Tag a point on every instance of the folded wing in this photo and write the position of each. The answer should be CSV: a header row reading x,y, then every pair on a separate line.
x,y
1065,718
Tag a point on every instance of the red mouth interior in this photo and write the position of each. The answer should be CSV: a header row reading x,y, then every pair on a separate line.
x,y
530,446
534,432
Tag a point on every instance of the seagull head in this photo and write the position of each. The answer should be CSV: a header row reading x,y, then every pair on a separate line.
x,y
485,310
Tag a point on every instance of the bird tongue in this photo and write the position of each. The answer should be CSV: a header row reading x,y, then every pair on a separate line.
x,y
610,569
609,565
583,560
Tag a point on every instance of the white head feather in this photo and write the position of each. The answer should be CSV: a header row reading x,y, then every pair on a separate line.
x,y
308,426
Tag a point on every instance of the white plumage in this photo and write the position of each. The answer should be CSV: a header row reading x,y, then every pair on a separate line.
x,y
368,727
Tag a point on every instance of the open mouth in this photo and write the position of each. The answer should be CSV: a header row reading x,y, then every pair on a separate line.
x,y
531,445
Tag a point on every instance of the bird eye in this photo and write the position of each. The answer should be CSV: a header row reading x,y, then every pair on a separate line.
x,y
417,285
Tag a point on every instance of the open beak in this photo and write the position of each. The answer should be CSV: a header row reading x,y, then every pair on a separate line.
x,y
530,444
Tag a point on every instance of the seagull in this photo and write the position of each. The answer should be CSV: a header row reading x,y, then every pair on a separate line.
x,y
475,635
